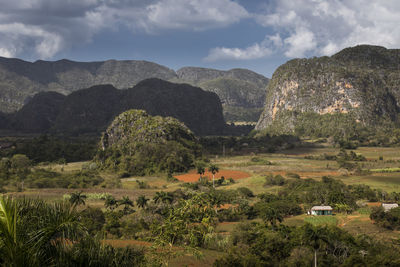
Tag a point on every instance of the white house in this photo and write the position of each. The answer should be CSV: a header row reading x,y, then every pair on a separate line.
x,y
321,210
389,206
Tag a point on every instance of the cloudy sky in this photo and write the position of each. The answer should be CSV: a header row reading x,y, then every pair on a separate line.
x,y
254,34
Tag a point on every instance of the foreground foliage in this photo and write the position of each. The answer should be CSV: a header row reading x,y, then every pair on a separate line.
x,y
34,233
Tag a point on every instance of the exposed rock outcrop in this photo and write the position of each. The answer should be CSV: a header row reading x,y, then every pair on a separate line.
x,y
363,81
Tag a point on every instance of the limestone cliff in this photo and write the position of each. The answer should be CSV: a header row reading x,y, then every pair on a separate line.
x,y
363,81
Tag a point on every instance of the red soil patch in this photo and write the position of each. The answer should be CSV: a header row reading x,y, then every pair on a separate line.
x,y
193,176
227,206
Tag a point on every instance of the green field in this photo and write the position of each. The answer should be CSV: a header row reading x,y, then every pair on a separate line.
x,y
286,163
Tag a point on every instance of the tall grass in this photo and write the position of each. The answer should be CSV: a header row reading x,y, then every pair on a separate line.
x,y
321,220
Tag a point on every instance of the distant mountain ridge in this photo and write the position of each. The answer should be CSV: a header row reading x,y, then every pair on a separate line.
x,y
361,83
20,80
242,92
91,110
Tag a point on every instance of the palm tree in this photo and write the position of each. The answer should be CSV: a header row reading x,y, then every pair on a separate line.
x,y
314,236
9,248
271,215
213,169
163,197
111,203
77,199
32,232
141,201
126,202
200,170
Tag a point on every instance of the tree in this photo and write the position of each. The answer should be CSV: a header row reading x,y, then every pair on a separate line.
x,y
271,215
111,203
77,198
188,224
20,165
163,197
127,204
213,169
141,201
314,236
5,166
32,232
201,170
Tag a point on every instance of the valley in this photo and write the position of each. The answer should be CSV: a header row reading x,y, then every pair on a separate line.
x,y
172,170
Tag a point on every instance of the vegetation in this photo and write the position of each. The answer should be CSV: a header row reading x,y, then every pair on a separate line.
x,y
389,219
258,220
139,144
34,233
354,102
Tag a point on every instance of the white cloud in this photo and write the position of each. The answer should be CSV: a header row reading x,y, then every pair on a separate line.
x,y
4,52
300,42
252,52
194,14
45,43
318,27
45,27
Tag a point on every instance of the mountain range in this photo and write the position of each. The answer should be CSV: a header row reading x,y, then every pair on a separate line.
x,y
240,90
91,110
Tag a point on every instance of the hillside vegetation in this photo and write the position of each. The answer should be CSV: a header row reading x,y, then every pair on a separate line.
x,y
138,144
361,84
242,92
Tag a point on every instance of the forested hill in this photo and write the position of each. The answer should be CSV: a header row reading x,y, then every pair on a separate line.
x,y
240,90
20,79
358,85
91,110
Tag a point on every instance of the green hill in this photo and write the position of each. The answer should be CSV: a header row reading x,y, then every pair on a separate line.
x,y
139,144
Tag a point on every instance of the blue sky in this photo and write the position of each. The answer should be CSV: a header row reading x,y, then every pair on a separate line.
x,y
223,34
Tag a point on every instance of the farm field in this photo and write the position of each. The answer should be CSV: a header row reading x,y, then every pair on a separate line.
x,y
250,171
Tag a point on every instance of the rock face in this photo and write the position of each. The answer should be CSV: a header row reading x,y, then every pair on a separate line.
x,y
363,81
91,110
20,79
242,92
138,143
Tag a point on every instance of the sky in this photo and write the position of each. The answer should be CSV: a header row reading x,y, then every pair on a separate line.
x,y
222,34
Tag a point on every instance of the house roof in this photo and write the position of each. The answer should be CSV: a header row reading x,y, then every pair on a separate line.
x,y
321,208
388,206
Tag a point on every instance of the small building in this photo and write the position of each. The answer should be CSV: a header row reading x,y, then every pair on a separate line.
x,y
321,210
389,206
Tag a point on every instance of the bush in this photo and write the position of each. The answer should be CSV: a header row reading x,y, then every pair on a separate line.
x,y
389,219
274,180
293,175
245,192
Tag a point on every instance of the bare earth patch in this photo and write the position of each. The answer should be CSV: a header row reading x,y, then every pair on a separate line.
x,y
192,176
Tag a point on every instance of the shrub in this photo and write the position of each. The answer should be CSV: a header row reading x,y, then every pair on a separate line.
x,y
274,180
245,192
